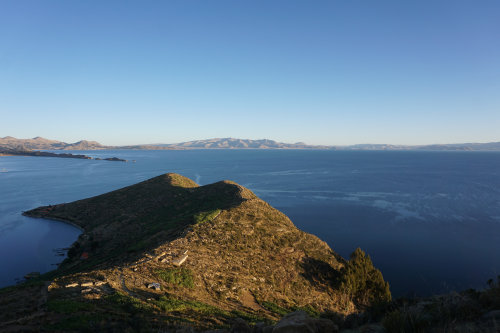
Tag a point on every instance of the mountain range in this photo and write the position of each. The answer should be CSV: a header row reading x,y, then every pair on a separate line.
x,y
39,143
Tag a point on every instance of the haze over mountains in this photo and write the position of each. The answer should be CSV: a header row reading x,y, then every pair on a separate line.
x,y
39,143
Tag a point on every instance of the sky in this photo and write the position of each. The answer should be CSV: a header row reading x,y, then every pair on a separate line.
x,y
321,72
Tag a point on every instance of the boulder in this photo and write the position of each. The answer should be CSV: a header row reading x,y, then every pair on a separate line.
x,y
154,285
180,260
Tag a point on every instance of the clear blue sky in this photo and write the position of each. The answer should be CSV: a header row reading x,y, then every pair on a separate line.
x,y
323,72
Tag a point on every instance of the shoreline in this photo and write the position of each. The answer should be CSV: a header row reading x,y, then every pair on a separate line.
x,y
55,219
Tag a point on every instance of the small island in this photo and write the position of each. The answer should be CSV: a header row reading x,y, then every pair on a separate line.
x,y
22,152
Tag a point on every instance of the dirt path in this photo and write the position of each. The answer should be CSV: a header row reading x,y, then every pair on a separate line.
x,y
124,286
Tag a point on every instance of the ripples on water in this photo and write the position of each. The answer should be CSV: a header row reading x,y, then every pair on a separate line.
x,y
429,220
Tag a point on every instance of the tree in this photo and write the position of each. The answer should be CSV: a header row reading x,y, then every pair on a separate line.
x,y
363,281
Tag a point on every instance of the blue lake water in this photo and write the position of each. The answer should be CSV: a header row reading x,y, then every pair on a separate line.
x,y
429,220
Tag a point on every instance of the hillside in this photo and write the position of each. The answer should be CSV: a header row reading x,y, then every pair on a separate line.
x,y
243,259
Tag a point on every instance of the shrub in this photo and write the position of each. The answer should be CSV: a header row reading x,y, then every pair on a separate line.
x,y
206,216
180,276
364,282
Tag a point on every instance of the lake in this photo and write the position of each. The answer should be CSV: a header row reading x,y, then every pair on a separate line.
x,y
429,220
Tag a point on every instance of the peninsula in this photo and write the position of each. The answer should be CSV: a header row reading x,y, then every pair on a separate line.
x,y
15,152
166,253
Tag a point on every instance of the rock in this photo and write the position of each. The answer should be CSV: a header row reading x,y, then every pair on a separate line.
x,y
300,322
179,261
154,285
240,326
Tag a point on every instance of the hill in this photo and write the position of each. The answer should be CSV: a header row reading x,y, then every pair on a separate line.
x,y
167,252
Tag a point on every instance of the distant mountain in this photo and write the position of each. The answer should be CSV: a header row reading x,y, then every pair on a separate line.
x,y
490,146
232,143
463,146
39,143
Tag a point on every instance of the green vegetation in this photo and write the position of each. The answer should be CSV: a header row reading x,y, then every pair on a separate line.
x,y
179,276
363,281
273,307
307,309
206,216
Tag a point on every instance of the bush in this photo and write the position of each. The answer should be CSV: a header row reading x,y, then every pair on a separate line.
x,y
180,276
206,216
363,282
